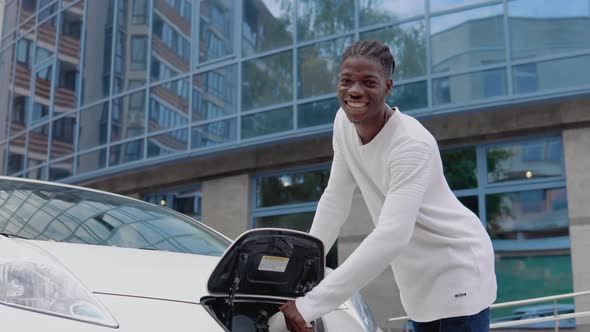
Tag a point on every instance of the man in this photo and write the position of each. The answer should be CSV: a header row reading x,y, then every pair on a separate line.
x,y
441,255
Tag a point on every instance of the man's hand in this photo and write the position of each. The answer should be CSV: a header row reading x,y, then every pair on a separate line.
x,y
293,318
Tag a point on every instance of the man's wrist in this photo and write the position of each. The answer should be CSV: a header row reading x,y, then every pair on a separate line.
x,y
300,304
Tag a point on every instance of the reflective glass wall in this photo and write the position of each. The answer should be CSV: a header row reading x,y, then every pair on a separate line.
x,y
88,86
518,191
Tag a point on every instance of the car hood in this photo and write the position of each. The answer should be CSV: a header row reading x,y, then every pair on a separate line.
x,y
135,272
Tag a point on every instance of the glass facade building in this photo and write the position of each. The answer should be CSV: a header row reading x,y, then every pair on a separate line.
x,y
91,86
91,89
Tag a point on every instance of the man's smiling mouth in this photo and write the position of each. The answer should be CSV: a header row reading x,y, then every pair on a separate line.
x,y
356,104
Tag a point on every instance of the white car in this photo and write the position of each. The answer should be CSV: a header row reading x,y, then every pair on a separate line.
x,y
75,259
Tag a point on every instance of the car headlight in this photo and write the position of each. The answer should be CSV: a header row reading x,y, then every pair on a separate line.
x,y
31,279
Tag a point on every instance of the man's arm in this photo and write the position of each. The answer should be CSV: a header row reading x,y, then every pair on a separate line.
x,y
334,205
411,173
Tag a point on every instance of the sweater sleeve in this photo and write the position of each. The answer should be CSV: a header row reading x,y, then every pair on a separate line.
x,y
410,175
334,205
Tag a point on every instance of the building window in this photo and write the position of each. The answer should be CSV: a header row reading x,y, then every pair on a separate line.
x,y
187,201
289,199
138,53
24,52
518,191
139,12
19,109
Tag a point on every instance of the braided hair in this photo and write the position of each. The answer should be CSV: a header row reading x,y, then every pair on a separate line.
x,y
371,49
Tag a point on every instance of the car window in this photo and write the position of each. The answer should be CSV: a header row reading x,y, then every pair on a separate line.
x,y
49,212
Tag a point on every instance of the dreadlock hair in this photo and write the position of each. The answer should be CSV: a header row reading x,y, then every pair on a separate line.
x,y
371,49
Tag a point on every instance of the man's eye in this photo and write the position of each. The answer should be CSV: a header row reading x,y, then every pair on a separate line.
x,y
370,83
344,81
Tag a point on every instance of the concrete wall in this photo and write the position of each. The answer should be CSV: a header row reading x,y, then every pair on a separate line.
x,y
226,204
577,163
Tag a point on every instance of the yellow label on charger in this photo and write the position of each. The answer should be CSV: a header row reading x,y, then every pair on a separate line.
x,y
273,263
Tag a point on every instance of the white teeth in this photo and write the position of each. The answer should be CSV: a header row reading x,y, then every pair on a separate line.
x,y
356,105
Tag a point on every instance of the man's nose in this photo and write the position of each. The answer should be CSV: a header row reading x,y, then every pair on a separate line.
x,y
355,90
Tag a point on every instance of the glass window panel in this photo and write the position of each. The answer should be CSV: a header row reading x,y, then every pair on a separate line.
x,y
126,152
409,96
382,11
265,123
131,45
460,168
78,5
20,112
552,75
526,275
16,155
171,41
46,9
527,160
291,188
436,5
138,57
169,105
544,27
168,143
98,48
297,221
528,216
92,161
186,201
128,116
42,97
407,43
61,169
39,173
317,18
216,29
469,87
471,202
62,136
267,81
10,17
267,24
66,94
139,11
27,9
319,65
188,205
21,100
7,40
214,133
6,80
93,126
467,39
3,152
46,33
214,93
317,113
37,145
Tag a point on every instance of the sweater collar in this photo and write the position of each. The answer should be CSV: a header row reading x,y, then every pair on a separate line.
x,y
384,132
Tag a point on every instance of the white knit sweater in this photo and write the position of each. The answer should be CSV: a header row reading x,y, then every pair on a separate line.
x,y
441,255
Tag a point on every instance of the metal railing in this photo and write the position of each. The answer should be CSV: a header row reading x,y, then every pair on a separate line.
x,y
555,316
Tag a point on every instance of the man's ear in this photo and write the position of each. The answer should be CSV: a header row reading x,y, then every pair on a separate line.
x,y
389,85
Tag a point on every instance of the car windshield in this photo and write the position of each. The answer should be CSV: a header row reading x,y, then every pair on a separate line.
x,y
41,211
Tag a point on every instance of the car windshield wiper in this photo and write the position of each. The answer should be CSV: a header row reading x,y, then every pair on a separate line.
x,y
13,235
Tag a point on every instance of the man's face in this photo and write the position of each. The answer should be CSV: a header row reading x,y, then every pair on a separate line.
x,y
362,88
